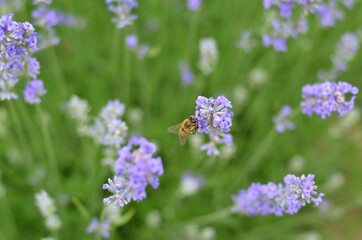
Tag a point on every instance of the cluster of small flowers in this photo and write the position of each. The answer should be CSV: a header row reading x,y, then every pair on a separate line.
x,y
135,169
108,128
132,44
215,119
271,198
194,5
18,41
186,75
289,24
101,227
46,19
48,210
190,184
281,120
122,9
327,97
208,55
78,110
246,42
346,50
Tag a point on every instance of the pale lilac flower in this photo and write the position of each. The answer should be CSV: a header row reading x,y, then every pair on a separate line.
x,y
281,120
47,19
186,75
48,210
289,197
325,98
246,42
135,169
190,184
194,5
33,91
131,41
208,55
95,226
211,147
346,50
114,109
214,118
122,9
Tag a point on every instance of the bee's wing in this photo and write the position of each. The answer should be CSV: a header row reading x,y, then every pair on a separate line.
x,y
174,128
182,140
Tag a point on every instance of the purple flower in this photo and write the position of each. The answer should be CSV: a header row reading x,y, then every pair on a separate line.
x,y
108,128
96,226
131,41
47,19
194,5
186,75
211,147
281,122
122,9
214,115
285,9
325,98
135,169
277,199
190,184
18,42
33,91
346,50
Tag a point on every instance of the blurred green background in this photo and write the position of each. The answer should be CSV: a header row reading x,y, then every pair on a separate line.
x,y
92,63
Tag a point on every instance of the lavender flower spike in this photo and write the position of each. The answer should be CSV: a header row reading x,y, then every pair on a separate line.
x,y
194,5
122,9
281,122
135,169
214,115
325,98
289,197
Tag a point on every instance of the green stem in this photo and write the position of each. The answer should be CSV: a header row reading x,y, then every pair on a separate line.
x,y
48,145
211,218
115,60
81,208
126,77
59,73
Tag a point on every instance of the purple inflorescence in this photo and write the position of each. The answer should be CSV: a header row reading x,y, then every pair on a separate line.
x,y
281,120
194,5
102,228
346,50
122,9
109,129
277,199
292,19
186,75
47,19
325,98
135,169
33,91
215,119
18,42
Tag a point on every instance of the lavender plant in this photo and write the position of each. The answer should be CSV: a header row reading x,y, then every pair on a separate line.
x,y
47,19
122,9
278,199
18,42
215,119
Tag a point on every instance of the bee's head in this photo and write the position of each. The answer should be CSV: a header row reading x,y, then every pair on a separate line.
x,y
193,119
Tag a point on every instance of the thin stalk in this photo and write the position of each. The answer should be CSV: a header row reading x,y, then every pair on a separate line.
x,y
115,60
210,218
58,73
126,77
48,145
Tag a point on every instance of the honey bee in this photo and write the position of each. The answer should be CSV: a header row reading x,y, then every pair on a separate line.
x,y
189,125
